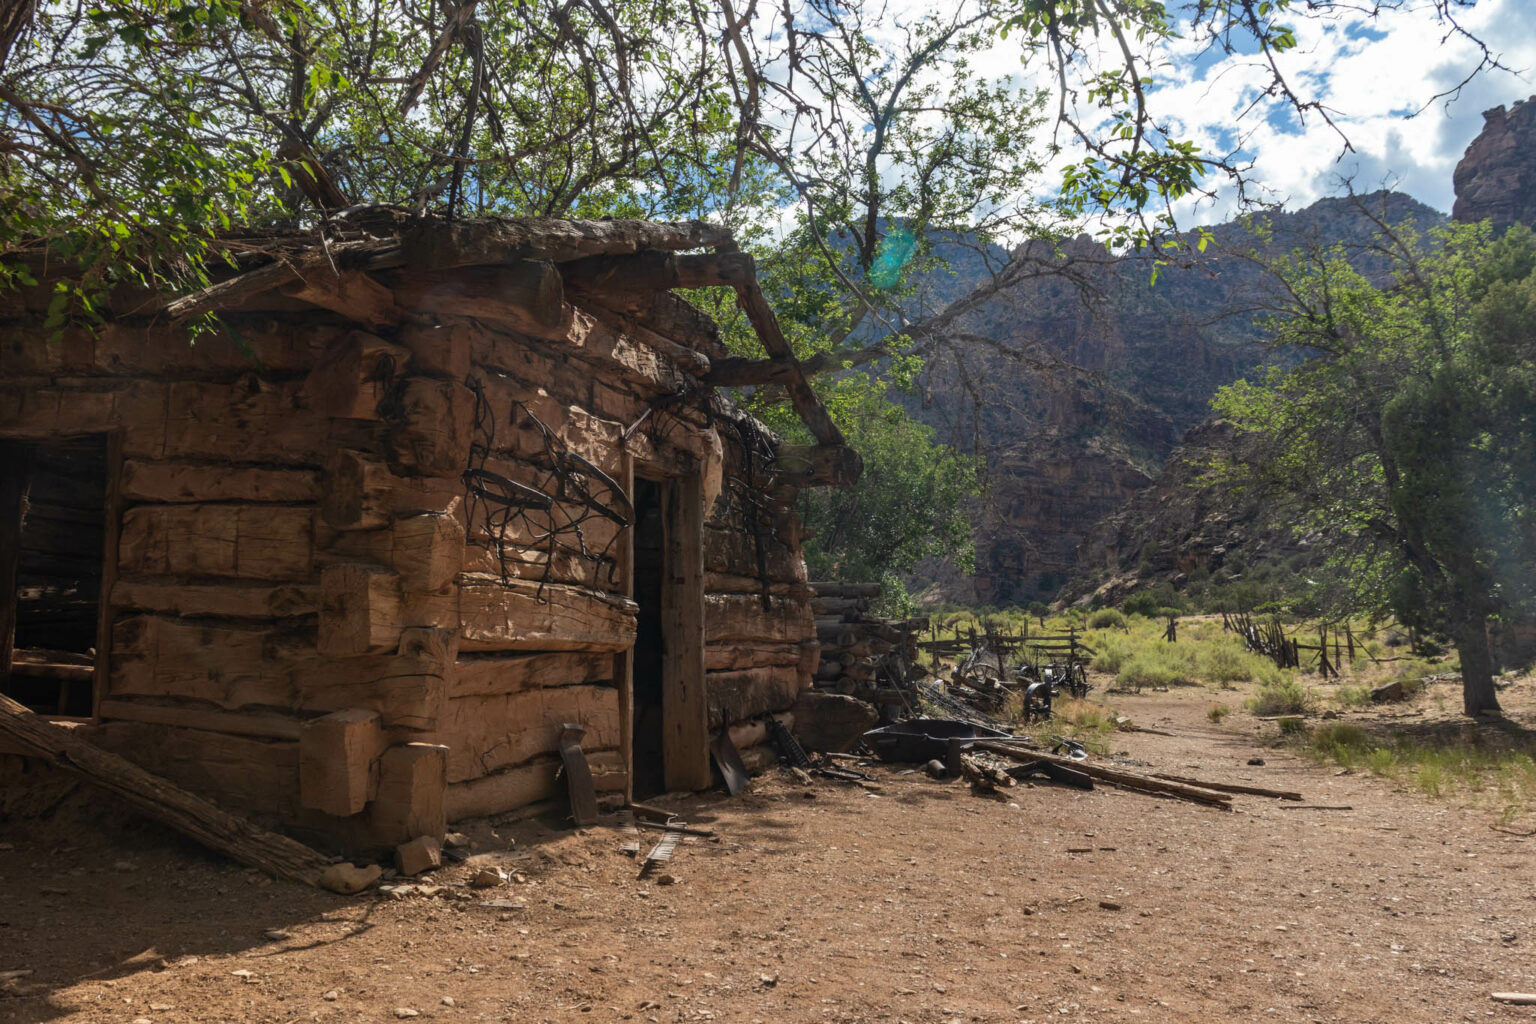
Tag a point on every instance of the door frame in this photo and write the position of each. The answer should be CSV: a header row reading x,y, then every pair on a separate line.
x,y
685,697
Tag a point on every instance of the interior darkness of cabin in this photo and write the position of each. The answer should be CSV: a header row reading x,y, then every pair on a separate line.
x,y
53,521
649,565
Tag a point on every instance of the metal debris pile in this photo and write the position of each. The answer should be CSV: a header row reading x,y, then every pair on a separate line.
x,y
996,671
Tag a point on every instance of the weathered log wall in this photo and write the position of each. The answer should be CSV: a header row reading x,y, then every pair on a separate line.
x,y
313,617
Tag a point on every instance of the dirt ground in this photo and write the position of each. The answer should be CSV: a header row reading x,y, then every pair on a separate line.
x,y
915,901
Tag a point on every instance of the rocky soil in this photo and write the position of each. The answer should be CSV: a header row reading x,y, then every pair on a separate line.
x,y
909,900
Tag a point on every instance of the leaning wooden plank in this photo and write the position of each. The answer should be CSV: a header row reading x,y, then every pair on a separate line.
x,y
156,798
1129,780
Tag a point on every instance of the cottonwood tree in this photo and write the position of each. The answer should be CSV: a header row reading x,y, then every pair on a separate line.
x,y
1407,437
134,132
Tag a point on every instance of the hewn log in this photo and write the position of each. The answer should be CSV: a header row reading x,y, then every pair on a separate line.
x,y
158,799
514,615
681,357
267,542
742,618
337,754
750,692
181,482
438,244
526,295
360,610
261,724
822,465
488,732
235,667
355,376
731,656
412,781
434,428
234,600
487,675
251,420
352,293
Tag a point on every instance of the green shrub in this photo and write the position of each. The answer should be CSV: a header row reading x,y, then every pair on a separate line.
x,y
1218,712
1225,661
1114,652
1141,604
1158,665
1281,697
1354,696
1106,618
1333,735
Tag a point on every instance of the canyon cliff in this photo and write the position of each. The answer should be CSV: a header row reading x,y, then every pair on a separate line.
x,y
1077,388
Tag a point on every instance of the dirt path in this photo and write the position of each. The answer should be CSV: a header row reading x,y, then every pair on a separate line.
x,y
917,903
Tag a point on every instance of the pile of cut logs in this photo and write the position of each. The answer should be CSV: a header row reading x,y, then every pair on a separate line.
x,y
866,657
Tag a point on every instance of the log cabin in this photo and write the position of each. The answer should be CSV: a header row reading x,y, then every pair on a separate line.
x,y
346,538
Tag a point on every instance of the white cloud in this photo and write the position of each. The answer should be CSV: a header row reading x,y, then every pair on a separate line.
x,y
1373,86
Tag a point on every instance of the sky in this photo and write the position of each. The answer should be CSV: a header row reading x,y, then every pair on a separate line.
x,y
1375,83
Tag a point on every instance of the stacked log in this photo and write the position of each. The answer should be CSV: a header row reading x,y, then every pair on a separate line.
x,y
862,655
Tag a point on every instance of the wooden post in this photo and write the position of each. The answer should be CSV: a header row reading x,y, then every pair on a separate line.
x,y
112,510
685,701
15,474
624,661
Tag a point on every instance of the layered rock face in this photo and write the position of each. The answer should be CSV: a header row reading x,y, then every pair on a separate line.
x,y
1496,179
1138,362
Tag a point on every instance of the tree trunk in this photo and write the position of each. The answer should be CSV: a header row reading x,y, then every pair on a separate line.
x,y
1471,636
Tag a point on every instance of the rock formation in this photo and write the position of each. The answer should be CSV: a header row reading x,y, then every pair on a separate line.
x,y
1065,449
1496,178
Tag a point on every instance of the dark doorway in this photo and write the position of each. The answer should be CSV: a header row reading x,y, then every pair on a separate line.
x,y
53,497
650,542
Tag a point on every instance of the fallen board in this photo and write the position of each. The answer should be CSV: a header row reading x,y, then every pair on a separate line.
x,y
156,798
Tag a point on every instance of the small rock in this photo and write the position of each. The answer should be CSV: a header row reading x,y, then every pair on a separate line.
x,y
347,878
488,878
124,865
801,775
405,1011
1109,905
420,854
7,847
243,975
1389,692
458,840
161,1007
277,934
768,980
448,1001
1256,760
331,996
142,1020
668,880
936,769
938,988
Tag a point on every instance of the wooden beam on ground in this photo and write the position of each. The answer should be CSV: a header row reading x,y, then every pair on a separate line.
x,y
1124,779
156,798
